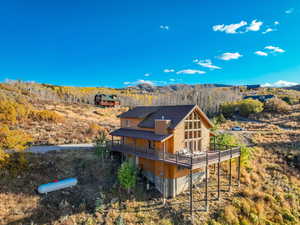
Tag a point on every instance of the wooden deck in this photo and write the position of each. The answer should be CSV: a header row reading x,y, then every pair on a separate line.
x,y
216,155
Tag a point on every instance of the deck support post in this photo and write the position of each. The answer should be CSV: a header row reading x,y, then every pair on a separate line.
x,y
230,168
163,174
239,168
219,164
206,183
191,195
214,143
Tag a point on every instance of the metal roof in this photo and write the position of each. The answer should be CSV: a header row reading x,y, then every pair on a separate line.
x,y
148,135
174,113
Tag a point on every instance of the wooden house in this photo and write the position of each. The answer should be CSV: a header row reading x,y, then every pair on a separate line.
x,y
171,144
104,100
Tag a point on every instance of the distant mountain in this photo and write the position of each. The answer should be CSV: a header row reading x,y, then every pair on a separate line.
x,y
297,88
145,87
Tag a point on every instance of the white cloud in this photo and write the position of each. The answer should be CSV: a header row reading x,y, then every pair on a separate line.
x,y
139,82
275,49
261,53
147,74
190,71
280,83
254,26
276,23
268,30
207,63
145,82
229,56
169,70
229,29
164,27
289,11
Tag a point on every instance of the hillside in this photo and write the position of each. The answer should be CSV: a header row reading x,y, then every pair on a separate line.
x,y
270,183
297,88
269,192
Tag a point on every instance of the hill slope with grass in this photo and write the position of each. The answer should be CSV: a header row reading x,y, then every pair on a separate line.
x,y
30,113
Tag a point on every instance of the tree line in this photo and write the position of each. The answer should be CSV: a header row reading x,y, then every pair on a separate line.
x,y
208,98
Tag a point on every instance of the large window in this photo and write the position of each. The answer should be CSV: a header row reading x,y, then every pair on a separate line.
x,y
192,132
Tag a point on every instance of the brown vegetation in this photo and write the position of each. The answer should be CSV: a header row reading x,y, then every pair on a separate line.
x,y
277,105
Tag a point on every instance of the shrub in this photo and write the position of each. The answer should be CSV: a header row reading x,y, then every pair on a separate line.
x,y
119,221
93,129
219,119
14,140
289,100
249,106
11,111
245,207
226,139
228,109
244,107
287,216
45,115
213,222
277,105
127,175
100,145
230,215
223,140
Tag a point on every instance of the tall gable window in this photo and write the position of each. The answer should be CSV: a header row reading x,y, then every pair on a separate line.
x,y
192,132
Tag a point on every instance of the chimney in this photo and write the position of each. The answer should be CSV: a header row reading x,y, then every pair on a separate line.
x,y
162,125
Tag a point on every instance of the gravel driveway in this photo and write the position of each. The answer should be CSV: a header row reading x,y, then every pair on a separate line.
x,y
47,148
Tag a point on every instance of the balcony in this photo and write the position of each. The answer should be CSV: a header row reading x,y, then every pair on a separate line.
x,y
218,153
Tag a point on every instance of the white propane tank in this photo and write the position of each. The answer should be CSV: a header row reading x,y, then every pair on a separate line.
x,y
53,186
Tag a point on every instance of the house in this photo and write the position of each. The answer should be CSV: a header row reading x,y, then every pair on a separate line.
x,y
171,145
253,87
104,100
262,98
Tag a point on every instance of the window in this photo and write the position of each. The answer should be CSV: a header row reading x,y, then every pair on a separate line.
x,y
151,144
127,123
186,125
192,132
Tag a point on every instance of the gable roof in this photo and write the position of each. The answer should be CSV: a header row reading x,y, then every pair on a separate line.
x,y
105,97
175,113
148,135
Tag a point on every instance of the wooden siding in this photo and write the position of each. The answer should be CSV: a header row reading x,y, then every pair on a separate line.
x,y
133,124
173,145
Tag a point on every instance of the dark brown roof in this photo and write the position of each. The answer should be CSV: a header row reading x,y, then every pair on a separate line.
x,y
148,135
175,113
151,113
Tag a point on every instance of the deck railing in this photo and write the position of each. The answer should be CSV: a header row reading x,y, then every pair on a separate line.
x,y
217,154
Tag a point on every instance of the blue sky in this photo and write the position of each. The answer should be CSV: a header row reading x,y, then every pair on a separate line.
x,y
119,43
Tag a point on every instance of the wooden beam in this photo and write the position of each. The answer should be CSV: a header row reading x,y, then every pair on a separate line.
x,y
191,195
206,183
239,169
230,175
219,164
163,174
